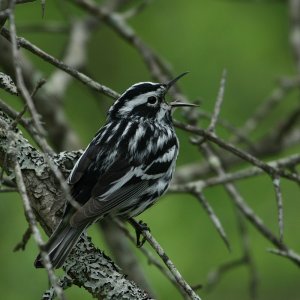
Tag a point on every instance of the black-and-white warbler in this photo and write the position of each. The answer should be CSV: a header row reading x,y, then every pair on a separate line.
x,y
126,167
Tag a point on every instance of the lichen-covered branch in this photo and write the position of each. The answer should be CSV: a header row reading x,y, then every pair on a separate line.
x,y
93,269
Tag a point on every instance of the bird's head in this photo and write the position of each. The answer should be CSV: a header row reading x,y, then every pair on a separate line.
x,y
146,100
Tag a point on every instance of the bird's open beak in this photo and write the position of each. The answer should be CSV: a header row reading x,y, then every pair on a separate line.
x,y
182,104
172,82
177,103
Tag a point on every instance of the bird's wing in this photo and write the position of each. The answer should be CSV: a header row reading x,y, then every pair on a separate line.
x,y
99,155
84,162
113,191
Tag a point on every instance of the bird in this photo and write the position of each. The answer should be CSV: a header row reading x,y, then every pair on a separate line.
x,y
124,170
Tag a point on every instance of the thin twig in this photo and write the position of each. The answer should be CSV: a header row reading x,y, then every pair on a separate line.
x,y
45,27
18,72
8,182
43,5
243,207
35,231
8,190
14,114
170,265
152,259
294,11
75,54
22,244
38,85
24,1
279,200
18,118
283,163
226,125
118,24
121,251
132,12
22,42
215,275
196,191
160,251
64,282
287,253
238,152
218,104
248,257
277,95
26,123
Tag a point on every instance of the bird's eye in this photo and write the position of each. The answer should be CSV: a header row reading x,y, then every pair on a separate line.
x,y
152,100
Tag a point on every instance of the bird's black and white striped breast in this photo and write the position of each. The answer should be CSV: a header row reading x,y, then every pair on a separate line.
x,y
151,149
154,145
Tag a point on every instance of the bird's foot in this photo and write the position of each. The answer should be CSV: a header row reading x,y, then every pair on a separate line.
x,y
139,227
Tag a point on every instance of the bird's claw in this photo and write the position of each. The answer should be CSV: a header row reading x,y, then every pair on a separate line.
x,y
139,227
142,227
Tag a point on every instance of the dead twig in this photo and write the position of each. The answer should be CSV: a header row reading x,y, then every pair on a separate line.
x,y
22,244
35,231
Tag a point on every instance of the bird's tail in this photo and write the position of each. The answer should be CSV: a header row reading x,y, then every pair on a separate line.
x,y
60,245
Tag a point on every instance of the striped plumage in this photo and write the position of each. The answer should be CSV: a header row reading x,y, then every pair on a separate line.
x,y
124,170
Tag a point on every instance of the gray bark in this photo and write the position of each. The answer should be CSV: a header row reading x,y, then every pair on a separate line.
x,y
87,266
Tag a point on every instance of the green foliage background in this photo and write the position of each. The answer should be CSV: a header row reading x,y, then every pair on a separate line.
x,y
250,40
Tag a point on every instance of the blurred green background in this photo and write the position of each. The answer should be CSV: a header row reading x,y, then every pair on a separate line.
x,y
248,38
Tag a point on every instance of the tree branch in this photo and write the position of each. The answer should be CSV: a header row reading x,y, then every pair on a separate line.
x,y
87,266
